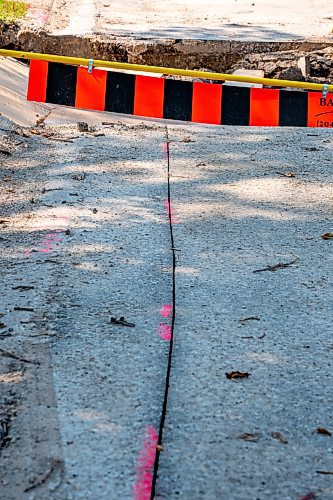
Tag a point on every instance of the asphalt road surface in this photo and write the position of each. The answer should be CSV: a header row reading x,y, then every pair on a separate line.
x,y
144,268
258,20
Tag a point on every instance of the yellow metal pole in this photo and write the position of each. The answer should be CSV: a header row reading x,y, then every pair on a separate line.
x,y
79,61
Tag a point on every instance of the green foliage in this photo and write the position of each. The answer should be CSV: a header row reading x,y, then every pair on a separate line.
x,y
11,10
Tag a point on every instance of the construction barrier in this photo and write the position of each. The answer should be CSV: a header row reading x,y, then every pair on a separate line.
x,y
66,80
199,102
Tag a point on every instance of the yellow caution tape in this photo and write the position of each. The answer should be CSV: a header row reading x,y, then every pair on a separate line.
x,y
207,75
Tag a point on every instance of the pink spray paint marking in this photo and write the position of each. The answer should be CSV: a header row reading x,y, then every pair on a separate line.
x,y
48,242
44,17
165,147
170,212
164,329
144,470
50,239
166,310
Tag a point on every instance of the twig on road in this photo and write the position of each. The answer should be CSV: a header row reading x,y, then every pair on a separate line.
x,y
55,464
280,265
121,321
250,318
23,288
18,358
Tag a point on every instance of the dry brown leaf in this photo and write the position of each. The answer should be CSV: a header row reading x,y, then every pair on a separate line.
x,y
237,374
287,174
248,436
322,430
327,236
309,496
279,437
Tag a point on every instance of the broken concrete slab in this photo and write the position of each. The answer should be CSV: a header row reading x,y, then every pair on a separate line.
x,y
247,72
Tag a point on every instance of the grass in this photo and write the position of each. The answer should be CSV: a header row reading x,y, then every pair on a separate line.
x,y
11,10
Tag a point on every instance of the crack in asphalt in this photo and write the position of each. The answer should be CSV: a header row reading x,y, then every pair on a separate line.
x,y
173,318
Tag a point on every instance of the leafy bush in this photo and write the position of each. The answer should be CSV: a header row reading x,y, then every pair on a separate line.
x,y
10,10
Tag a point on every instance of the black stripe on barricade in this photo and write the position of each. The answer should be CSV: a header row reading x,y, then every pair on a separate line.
x,y
293,108
178,100
235,105
61,84
120,90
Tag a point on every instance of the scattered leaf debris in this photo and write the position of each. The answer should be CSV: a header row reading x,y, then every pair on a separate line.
x,y
248,436
280,437
280,265
327,236
42,119
82,126
237,374
19,131
121,321
322,430
51,136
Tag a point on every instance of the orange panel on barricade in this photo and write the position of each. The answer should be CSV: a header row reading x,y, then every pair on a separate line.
x,y
206,103
149,96
320,110
37,81
264,107
90,89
